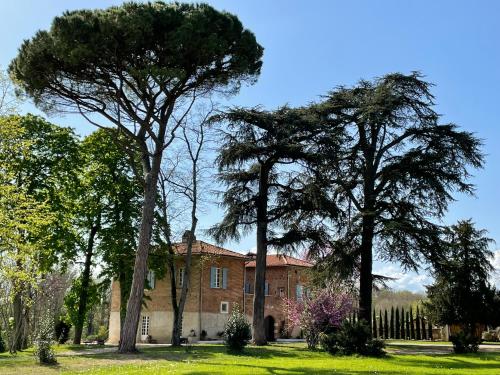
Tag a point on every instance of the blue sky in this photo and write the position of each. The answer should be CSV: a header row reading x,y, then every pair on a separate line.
x,y
313,46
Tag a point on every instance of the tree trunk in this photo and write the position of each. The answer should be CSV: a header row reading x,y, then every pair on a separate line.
x,y
19,331
365,277
84,291
129,331
259,298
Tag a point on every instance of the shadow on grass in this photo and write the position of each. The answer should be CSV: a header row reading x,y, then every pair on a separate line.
x,y
199,352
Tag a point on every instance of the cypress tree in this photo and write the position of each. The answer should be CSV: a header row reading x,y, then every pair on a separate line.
x,y
424,331
374,324
392,323
380,326
398,324
386,325
429,328
408,331
412,326
417,322
403,322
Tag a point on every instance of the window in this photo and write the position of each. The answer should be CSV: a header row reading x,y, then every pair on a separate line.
x,y
248,288
298,292
266,289
145,326
224,307
282,292
150,278
180,278
218,277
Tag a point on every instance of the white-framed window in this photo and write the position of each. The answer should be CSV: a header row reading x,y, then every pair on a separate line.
x,y
180,277
224,307
145,325
266,289
150,277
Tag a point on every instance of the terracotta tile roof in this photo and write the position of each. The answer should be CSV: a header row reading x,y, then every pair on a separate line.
x,y
200,247
282,261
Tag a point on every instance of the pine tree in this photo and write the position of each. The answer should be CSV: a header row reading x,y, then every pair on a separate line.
x,y
417,322
412,326
380,326
392,323
374,324
403,322
398,324
386,325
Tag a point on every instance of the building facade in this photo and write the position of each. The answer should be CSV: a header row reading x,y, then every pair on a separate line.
x,y
220,279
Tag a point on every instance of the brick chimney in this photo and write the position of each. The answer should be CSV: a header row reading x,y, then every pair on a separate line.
x,y
185,236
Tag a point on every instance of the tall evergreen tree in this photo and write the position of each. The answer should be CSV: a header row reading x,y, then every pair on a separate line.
x,y
393,174
418,331
374,324
386,325
408,325
392,330
398,325
262,192
380,326
412,324
403,324
429,330
424,330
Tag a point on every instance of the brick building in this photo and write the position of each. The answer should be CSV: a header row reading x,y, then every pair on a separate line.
x,y
219,279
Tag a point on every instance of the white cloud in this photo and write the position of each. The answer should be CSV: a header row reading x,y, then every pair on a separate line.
x,y
412,281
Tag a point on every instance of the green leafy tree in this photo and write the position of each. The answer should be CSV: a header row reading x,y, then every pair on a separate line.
x,y
140,67
106,214
392,174
261,194
461,293
37,163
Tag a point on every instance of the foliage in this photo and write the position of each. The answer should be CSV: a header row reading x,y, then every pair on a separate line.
x,y
62,329
43,342
237,331
3,347
391,175
461,293
72,298
464,342
102,333
323,311
352,338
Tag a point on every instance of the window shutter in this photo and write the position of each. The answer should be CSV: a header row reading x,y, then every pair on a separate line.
x,y
266,289
213,271
224,278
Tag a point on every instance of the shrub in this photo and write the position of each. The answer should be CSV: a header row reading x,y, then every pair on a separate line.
x,y
490,336
465,343
62,329
237,332
43,342
321,311
352,338
102,333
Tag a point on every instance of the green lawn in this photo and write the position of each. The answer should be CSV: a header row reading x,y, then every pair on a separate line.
x,y
273,359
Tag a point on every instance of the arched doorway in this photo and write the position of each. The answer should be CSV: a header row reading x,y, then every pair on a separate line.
x,y
269,323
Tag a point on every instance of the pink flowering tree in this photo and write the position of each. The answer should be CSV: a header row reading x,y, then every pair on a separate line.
x,y
323,310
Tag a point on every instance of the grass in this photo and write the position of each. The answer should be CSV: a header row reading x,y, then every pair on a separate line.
x,y
273,359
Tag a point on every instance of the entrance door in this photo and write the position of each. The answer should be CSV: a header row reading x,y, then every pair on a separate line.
x,y
269,323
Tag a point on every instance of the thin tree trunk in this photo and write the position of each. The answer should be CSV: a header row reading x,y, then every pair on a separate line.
x,y
129,331
259,299
84,291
